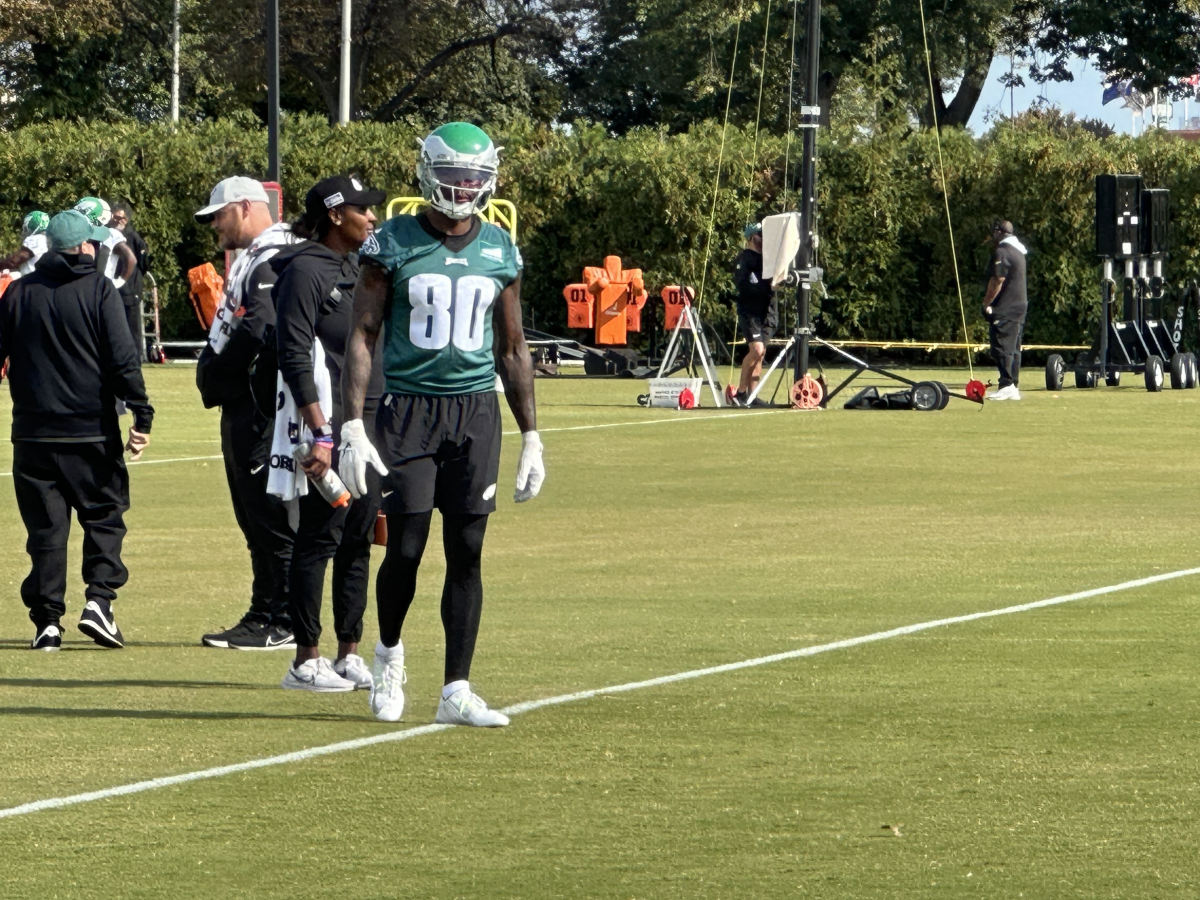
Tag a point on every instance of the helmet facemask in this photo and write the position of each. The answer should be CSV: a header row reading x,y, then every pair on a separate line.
x,y
457,170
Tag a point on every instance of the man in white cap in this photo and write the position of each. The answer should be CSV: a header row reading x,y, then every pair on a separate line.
x,y
237,372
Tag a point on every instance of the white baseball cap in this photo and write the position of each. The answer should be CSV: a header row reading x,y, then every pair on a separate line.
x,y
231,190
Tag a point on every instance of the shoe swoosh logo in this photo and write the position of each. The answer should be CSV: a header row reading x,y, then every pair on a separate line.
x,y
272,642
104,620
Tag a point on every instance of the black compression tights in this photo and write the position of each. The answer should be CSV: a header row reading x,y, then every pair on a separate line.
x,y
462,595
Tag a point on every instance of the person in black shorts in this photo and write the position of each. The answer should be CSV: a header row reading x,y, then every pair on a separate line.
x,y
757,313
438,296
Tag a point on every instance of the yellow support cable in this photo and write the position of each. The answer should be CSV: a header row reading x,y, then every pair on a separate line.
x,y
712,213
762,71
937,133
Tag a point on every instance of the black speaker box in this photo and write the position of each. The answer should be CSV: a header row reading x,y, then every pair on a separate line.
x,y
1118,215
1155,203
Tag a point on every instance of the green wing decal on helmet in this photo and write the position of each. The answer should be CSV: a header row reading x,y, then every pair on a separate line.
x,y
457,169
34,223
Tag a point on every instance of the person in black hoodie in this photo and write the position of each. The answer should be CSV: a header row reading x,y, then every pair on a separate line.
x,y
71,359
314,299
757,313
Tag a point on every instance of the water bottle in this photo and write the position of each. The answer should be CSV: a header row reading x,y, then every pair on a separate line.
x,y
328,485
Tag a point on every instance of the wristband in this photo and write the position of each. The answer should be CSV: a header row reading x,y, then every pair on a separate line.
x,y
324,441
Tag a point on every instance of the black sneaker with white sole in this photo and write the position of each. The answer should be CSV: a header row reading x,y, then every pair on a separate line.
x,y
251,634
49,637
97,622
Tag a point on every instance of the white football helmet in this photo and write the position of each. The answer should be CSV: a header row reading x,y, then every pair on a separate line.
x,y
97,210
457,169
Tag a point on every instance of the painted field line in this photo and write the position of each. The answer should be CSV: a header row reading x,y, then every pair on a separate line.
x,y
154,462
530,705
699,418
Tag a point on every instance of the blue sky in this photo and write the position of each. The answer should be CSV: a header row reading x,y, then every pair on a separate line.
x,y
1081,96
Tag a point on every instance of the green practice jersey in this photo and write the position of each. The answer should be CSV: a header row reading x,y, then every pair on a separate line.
x,y
437,331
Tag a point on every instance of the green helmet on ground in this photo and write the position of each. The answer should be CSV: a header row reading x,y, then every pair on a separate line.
x,y
96,209
34,223
457,169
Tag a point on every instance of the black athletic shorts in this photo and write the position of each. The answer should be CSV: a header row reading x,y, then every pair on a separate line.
x,y
441,452
757,326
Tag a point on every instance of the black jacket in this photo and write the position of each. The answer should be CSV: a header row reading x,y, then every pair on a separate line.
x,y
755,296
131,291
314,296
71,356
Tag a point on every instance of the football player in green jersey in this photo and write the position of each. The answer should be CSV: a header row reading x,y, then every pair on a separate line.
x,y
439,296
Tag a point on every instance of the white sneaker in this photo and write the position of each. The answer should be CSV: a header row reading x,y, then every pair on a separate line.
x,y
315,675
387,685
353,667
464,707
1008,392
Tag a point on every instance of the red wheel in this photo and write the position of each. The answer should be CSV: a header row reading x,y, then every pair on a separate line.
x,y
974,390
807,393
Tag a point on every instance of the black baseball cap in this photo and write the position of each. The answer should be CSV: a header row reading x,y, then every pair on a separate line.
x,y
336,191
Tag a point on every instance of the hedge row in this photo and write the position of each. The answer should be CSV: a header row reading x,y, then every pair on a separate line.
x,y
673,205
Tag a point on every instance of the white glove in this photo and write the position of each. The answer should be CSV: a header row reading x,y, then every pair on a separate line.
x,y
355,454
136,444
531,471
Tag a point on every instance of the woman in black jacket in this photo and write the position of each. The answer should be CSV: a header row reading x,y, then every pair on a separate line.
x,y
314,300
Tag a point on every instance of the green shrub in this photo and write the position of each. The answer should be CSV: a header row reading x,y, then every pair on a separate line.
x,y
662,203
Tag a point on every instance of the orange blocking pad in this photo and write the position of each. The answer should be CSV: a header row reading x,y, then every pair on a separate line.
x,y
611,301
580,306
206,290
675,297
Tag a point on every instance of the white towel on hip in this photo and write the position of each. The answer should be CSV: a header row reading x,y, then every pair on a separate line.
x,y
286,479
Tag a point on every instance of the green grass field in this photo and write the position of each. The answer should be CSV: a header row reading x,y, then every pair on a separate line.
x,y
1044,753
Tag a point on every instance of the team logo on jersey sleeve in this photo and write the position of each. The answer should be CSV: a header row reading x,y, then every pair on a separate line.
x,y
370,245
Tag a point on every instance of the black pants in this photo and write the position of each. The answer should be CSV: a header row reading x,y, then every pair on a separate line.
x,y
1005,337
262,517
133,314
345,536
462,591
52,479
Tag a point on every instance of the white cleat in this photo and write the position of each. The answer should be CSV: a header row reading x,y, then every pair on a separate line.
x,y
353,667
387,684
315,675
464,707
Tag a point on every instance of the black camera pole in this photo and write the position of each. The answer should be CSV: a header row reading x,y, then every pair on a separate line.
x,y
810,115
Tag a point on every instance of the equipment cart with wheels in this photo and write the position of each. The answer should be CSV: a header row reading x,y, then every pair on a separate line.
x,y
1131,228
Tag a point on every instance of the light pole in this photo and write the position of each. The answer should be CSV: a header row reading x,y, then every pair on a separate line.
x,y
273,90
175,65
344,98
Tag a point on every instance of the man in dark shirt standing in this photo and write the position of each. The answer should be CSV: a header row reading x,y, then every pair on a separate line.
x,y
131,290
71,359
757,313
236,371
1004,307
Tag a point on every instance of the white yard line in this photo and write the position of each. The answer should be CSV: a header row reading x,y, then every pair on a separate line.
x,y
674,419
530,705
